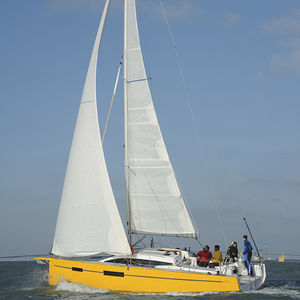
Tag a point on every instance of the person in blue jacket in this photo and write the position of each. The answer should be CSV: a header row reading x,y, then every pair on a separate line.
x,y
247,252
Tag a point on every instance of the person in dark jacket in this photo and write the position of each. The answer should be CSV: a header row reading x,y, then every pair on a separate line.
x,y
204,256
247,252
232,252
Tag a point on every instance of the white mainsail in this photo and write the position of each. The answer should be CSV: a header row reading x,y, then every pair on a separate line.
x,y
88,220
154,204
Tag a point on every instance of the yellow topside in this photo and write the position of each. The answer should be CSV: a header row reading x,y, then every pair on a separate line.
x,y
124,278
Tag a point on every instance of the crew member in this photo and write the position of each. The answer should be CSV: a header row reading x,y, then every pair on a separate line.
x,y
232,252
247,252
217,257
204,256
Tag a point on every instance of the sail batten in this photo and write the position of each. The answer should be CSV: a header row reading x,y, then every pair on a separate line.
x,y
155,202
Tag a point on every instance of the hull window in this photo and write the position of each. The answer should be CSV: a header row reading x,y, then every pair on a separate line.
x,y
111,273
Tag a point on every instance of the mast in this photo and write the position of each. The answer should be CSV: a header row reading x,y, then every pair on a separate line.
x,y
128,211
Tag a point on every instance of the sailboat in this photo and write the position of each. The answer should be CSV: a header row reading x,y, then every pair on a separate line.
x,y
282,258
90,245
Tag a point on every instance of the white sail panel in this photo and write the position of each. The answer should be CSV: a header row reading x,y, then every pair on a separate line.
x,y
155,202
88,220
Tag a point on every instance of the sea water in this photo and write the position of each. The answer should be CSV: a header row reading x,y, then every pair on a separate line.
x,y
29,280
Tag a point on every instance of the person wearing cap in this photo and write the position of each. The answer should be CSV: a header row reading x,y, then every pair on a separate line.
x,y
247,252
232,252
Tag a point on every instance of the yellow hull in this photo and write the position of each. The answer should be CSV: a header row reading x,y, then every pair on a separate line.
x,y
136,279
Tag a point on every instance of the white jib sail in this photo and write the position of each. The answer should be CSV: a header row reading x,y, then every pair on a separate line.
x,y
88,220
155,204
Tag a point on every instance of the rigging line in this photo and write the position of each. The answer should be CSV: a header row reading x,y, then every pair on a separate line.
x,y
112,100
138,241
286,254
199,243
232,186
251,236
194,121
26,255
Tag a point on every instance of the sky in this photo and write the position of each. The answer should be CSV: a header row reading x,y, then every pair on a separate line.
x,y
227,99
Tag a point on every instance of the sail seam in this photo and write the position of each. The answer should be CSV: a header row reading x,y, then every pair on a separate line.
x,y
151,195
150,167
133,49
139,108
149,159
140,123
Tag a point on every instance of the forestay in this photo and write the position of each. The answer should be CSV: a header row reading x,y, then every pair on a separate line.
x,y
155,204
88,220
